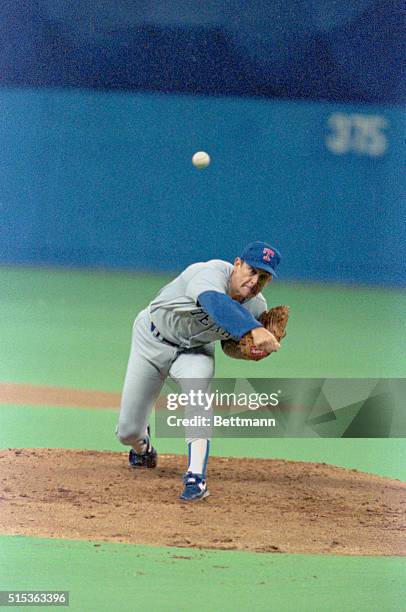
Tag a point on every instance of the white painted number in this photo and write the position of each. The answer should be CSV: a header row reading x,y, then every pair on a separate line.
x,y
356,133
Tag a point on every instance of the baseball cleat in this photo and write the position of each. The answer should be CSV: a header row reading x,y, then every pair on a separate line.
x,y
149,459
195,487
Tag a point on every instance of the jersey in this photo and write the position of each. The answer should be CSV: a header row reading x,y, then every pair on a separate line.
x,y
177,315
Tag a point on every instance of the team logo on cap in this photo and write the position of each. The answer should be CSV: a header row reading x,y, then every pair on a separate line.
x,y
267,254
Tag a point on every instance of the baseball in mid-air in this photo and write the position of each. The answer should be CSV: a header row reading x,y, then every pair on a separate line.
x,y
201,160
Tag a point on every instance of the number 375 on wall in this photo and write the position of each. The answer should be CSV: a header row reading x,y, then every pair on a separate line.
x,y
356,133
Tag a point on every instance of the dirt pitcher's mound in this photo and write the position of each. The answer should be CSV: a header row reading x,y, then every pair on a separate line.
x,y
255,504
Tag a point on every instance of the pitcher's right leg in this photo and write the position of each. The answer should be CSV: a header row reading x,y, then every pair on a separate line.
x,y
147,369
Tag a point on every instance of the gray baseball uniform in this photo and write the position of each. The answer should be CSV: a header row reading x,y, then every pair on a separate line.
x,y
174,337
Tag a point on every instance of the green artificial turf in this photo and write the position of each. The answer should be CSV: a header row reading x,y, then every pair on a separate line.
x,y
122,577
73,329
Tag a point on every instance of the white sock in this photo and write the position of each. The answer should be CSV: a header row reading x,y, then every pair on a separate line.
x,y
198,450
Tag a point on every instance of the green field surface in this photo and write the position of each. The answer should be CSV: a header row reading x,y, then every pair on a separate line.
x,y
107,577
73,328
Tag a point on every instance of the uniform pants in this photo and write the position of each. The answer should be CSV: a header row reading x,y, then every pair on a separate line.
x,y
151,362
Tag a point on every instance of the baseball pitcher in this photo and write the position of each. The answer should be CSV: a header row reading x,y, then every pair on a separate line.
x,y
175,335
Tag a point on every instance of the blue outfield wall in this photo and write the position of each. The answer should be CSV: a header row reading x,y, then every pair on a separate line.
x,y
93,178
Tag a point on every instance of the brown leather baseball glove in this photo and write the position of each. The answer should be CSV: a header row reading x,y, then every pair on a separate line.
x,y
274,320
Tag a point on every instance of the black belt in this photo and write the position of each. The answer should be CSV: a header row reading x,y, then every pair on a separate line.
x,y
160,337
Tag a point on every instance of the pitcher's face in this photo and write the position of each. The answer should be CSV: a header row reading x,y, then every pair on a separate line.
x,y
246,281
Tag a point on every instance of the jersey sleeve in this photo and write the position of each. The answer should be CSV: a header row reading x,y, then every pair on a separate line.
x,y
228,314
207,279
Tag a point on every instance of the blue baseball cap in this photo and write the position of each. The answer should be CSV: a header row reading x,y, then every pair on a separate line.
x,y
262,255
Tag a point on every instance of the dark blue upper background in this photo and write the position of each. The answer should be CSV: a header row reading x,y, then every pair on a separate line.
x,y
314,49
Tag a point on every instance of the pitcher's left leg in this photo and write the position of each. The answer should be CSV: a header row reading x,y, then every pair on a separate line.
x,y
194,370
